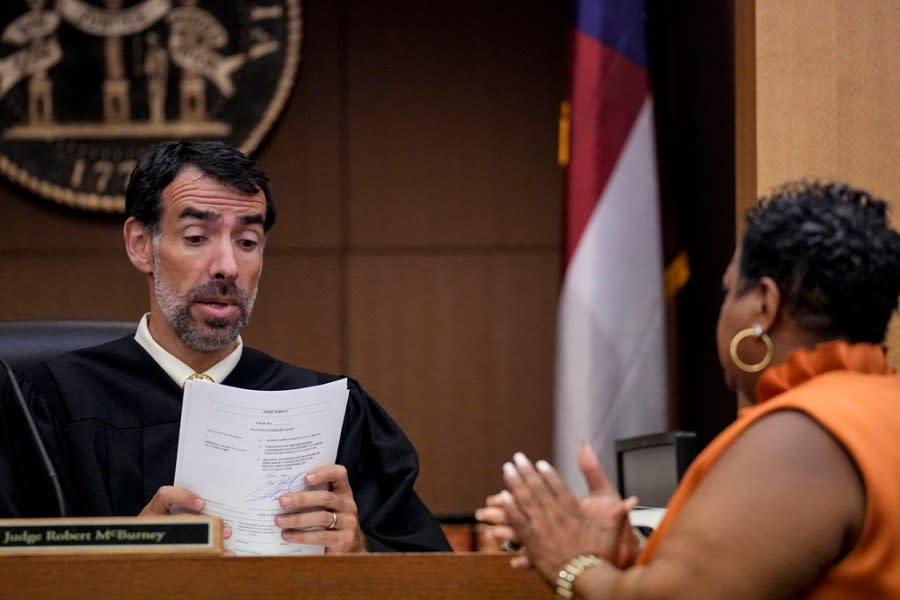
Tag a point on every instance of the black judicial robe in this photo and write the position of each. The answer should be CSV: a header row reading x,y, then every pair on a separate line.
x,y
109,416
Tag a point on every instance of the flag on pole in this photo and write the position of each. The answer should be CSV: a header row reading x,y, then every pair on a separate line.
x,y
611,354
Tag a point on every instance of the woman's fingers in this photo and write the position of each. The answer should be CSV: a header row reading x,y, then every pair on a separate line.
x,y
597,482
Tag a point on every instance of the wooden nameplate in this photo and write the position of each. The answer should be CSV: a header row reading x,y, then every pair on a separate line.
x,y
183,534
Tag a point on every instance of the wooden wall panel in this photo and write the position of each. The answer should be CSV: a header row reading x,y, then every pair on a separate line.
x,y
446,107
827,84
33,225
303,153
460,350
297,317
828,79
71,286
797,85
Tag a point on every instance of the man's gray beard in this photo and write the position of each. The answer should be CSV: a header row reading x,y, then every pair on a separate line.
x,y
217,333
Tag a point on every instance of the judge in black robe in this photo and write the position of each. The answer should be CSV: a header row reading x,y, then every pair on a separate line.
x,y
109,417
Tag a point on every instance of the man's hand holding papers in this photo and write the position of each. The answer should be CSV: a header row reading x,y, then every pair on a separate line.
x,y
324,517
264,463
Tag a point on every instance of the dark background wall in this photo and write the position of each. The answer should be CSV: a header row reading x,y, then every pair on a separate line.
x,y
692,63
418,243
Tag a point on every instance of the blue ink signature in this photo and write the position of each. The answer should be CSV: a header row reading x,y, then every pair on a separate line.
x,y
276,485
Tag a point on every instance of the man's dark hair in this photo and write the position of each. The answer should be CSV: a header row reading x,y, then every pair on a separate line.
x,y
224,163
831,252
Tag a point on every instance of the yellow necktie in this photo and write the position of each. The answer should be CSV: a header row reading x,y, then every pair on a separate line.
x,y
202,376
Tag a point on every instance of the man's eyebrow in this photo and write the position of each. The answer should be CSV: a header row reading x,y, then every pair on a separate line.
x,y
210,216
254,219
195,213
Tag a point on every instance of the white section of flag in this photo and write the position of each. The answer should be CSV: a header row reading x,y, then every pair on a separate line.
x,y
611,355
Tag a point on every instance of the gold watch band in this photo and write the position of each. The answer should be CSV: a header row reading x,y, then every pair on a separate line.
x,y
565,581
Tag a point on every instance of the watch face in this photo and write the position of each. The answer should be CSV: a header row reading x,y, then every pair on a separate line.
x,y
88,86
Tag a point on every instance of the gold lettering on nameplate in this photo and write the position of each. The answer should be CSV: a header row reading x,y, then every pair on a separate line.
x,y
22,537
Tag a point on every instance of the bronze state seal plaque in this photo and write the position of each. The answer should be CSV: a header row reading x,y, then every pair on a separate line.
x,y
88,86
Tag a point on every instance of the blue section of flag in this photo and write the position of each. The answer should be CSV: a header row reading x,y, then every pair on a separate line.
x,y
618,24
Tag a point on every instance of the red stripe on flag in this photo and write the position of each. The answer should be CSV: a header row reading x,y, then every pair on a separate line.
x,y
608,90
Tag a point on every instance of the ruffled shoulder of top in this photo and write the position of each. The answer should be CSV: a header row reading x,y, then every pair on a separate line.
x,y
806,363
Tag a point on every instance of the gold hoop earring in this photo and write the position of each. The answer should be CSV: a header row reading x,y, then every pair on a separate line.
x,y
757,332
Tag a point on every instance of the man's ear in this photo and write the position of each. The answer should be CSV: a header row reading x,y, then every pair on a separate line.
x,y
771,302
138,245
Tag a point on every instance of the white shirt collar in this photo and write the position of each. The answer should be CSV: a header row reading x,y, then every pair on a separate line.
x,y
177,370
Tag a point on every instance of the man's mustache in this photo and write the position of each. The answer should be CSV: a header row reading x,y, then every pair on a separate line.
x,y
219,291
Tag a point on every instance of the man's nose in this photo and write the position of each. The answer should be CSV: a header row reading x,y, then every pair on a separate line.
x,y
225,265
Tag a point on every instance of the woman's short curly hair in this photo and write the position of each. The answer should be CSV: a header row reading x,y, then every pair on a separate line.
x,y
831,252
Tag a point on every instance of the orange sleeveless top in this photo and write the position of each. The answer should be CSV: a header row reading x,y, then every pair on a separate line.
x,y
852,393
